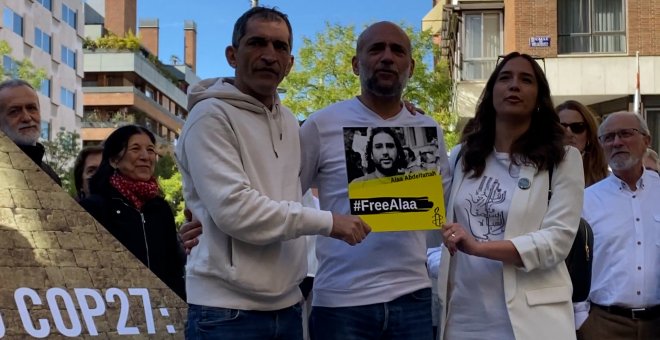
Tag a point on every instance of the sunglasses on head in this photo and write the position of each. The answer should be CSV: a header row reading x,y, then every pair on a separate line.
x,y
576,128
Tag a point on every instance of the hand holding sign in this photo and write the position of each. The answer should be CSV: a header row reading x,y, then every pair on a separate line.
x,y
350,229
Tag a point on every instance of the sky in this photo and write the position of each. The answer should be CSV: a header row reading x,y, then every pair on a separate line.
x,y
215,21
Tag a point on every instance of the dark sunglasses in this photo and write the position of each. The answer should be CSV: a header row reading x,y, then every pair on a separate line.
x,y
576,128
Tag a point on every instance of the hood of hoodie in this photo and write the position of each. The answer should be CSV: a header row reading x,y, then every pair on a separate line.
x,y
224,89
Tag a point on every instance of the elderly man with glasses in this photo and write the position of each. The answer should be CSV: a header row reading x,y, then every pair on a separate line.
x,y
623,212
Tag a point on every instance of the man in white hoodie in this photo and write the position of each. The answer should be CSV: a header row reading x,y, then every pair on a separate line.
x,y
381,289
239,155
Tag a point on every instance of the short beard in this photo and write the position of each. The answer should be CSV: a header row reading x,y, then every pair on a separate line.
x,y
17,137
625,164
371,84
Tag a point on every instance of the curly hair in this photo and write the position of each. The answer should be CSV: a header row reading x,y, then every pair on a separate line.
x,y
399,163
593,157
541,145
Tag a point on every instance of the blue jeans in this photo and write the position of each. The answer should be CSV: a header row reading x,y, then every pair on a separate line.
x,y
228,324
407,317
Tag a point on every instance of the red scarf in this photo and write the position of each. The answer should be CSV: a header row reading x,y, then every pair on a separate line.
x,y
138,192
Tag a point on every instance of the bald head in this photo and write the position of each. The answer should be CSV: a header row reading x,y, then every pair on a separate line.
x,y
381,28
383,61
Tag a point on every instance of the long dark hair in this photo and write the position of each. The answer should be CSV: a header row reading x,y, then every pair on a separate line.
x,y
593,157
113,147
541,145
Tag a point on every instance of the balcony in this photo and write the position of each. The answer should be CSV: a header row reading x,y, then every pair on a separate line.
x,y
127,61
95,129
128,96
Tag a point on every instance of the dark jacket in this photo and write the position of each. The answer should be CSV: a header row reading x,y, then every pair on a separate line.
x,y
36,154
150,235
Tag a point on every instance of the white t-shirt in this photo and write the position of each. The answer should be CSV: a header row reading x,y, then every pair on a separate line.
x,y
477,305
384,266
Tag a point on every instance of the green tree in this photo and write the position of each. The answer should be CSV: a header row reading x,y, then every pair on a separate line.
x,y
173,190
323,75
165,166
171,184
22,69
61,153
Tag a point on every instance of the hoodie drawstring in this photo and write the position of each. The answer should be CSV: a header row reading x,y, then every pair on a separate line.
x,y
278,122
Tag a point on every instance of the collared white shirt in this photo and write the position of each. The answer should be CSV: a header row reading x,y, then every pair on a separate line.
x,y
626,226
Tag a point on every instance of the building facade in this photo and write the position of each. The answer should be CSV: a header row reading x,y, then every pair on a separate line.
x,y
132,86
50,34
587,48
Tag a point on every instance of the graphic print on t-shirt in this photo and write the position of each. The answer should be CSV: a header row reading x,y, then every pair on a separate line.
x,y
484,207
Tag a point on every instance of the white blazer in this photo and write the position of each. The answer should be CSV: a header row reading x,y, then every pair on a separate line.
x,y
538,295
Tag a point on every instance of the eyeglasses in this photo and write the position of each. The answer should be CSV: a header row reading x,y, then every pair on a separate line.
x,y
622,133
576,128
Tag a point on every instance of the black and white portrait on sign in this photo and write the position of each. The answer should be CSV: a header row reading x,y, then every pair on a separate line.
x,y
377,152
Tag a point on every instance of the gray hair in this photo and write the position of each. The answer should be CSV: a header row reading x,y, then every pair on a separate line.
x,y
643,126
651,154
9,131
11,83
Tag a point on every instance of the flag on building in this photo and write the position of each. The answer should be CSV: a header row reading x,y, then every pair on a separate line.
x,y
637,101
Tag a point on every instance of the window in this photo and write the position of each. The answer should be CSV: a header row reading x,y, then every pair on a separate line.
x,y
69,16
13,21
9,66
42,40
591,26
482,44
45,130
68,57
46,3
68,98
45,87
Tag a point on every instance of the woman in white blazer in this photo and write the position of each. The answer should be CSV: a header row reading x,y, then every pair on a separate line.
x,y
506,277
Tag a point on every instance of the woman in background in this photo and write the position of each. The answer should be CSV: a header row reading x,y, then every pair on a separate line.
x,y
582,133
126,200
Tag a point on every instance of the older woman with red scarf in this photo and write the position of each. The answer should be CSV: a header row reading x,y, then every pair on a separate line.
x,y
126,200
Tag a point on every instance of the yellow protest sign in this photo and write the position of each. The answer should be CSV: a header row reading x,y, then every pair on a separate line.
x,y
394,183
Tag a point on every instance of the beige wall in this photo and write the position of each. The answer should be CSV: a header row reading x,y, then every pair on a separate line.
x,y
589,78
35,15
